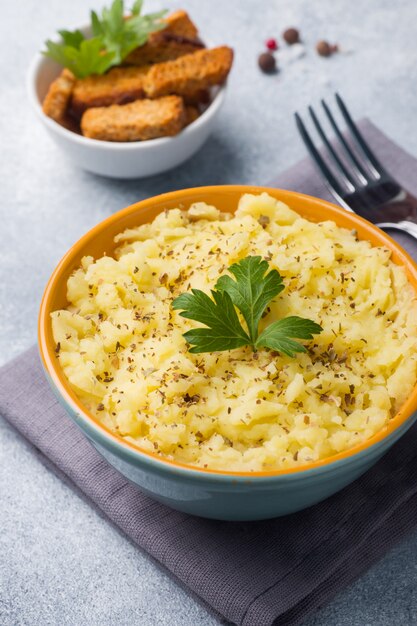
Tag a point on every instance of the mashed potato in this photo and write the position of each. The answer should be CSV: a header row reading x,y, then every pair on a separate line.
x,y
120,342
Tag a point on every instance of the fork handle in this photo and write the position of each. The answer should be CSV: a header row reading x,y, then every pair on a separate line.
x,y
405,207
405,226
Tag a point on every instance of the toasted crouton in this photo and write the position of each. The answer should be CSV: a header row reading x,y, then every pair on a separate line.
x,y
179,23
191,114
59,93
179,37
190,73
119,86
137,121
195,98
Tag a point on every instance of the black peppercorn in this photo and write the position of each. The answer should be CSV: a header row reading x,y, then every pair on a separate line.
x,y
291,35
267,63
323,48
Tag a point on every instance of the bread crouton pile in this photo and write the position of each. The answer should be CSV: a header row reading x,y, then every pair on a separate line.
x,y
161,87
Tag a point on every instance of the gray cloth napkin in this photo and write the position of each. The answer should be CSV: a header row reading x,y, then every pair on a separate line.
x,y
252,574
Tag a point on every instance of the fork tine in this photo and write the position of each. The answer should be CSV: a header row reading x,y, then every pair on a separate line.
x,y
376,165
349,181
325,171
361,172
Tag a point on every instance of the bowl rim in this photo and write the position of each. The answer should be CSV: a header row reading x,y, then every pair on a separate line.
x,y
33,72
121,447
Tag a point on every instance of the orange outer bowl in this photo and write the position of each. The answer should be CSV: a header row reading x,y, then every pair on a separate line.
x,y
99,241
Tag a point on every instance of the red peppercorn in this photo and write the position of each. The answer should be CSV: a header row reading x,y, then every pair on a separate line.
x,y
271,44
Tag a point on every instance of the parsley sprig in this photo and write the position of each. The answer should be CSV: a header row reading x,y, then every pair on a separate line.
x,y
250,291
113,38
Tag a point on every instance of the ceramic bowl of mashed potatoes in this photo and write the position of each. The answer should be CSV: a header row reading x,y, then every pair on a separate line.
x,y
234,435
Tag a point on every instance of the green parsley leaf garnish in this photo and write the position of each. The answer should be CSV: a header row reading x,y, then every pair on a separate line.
x,y
89,58
72,38
120,35
114,37
223,332
277,335
252,290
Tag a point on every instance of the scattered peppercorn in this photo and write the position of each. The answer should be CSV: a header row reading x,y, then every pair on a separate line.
x,y
267,63
291,36
271,44
325,49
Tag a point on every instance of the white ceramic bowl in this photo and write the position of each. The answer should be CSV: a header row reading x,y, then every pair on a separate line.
x,y
120,160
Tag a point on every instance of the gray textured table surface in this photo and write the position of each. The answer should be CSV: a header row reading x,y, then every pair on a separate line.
x,y
60,563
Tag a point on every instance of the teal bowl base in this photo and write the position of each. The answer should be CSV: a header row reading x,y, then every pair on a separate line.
x,y
237,500
231,497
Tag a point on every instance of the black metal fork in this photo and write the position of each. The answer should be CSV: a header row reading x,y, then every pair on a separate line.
x,y
364,186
